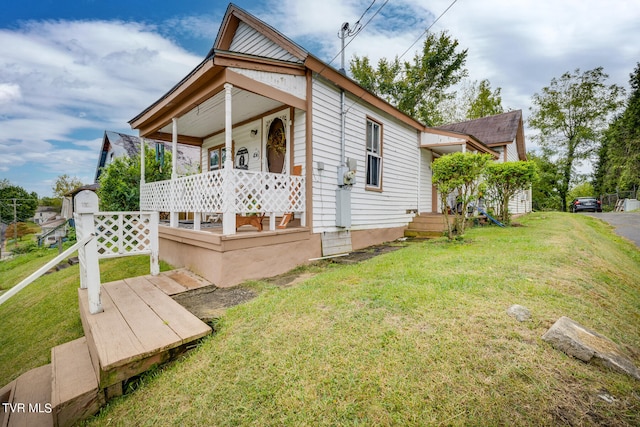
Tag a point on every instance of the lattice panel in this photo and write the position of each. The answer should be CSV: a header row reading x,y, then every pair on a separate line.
x,y
252,192
193,193
268,192
119,233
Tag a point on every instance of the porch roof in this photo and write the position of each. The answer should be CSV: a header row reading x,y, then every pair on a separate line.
x,y
444,142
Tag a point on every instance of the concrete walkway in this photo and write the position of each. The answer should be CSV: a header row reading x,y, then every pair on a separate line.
x,y
627,224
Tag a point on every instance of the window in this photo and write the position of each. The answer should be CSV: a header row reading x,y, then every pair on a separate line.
x,y
374,155
217,156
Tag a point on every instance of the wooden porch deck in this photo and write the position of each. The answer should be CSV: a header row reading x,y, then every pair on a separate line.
x,y
141,326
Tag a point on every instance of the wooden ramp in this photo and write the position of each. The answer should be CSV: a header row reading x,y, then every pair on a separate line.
x,y
141,327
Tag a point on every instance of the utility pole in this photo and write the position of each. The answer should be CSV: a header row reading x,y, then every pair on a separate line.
x,y
15,222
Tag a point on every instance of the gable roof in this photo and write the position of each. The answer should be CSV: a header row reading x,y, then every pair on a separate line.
x,y
493,131
244,33
245,42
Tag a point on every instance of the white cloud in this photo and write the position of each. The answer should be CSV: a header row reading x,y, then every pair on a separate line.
x,y
9,92
59,79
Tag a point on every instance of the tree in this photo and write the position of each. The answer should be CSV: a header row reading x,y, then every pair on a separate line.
x,y
506,179
50,201
457,175
618,167
65,184
584,189
16,200
570,115
485,103
544,191
120,180
416,87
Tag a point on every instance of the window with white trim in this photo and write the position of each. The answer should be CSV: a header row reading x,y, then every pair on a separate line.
x,y
374,155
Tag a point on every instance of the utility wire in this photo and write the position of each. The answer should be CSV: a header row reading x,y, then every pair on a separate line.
x,y
355,34
405,52
428,28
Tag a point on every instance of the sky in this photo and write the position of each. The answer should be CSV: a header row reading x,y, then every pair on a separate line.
x,y
69,70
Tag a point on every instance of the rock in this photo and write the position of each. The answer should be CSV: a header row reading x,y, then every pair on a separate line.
x,y
584,344
522,314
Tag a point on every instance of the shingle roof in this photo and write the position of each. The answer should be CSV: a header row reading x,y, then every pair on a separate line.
x,y
492,130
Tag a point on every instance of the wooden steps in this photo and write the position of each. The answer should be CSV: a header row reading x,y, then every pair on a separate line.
x,y
426,225
75,394
141,326
28,400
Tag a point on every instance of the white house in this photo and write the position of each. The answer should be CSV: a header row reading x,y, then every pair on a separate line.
x,y
284,135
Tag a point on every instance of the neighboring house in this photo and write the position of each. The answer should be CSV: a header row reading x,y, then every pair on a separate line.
x,y
116,144
281,132
504,133
52,230
44,214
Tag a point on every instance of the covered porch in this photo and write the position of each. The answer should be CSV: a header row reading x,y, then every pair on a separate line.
x,y
252,133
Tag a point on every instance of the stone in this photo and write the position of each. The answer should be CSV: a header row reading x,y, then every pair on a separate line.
x,y
521,313
589,346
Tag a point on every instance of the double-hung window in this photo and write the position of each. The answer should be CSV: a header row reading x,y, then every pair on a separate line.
x,y
374,155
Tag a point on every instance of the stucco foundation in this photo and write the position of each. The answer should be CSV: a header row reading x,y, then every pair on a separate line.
x,y
229,260
364,238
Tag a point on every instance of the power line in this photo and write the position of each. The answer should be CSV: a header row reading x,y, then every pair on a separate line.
x,y
405,52
358,30
427,30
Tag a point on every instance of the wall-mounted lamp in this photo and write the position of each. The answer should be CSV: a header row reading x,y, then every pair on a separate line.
x,y
254,132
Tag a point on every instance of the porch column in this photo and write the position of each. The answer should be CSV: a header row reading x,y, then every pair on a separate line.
x,y
173,216
228,188
142,165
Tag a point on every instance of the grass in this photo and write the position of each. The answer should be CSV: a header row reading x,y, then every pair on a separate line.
x,y
419,336
45,314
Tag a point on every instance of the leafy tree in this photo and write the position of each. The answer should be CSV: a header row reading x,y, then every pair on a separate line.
x,y
120,181
25,203
571,114
50,201
65,184
584,189
416,87
458,175
485,102
506,179
544,191
618,167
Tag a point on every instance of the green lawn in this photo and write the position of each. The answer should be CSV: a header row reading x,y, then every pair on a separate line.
x,y
417,337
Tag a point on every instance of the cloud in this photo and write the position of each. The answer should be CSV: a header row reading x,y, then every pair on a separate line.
x,y
9,92
61,78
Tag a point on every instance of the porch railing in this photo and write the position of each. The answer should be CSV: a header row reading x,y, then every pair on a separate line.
x,y
250,192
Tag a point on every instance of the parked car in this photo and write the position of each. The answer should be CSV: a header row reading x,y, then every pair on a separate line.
x,y
586,204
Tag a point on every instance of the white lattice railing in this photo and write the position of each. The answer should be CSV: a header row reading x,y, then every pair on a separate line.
x,y
125,233
111,234
252,192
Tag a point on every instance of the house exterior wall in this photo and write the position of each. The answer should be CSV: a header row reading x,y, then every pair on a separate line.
x,y
248,40
294,85
400,153
426,183
242,138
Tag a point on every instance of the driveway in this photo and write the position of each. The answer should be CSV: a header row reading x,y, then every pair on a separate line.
x,y
627,224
